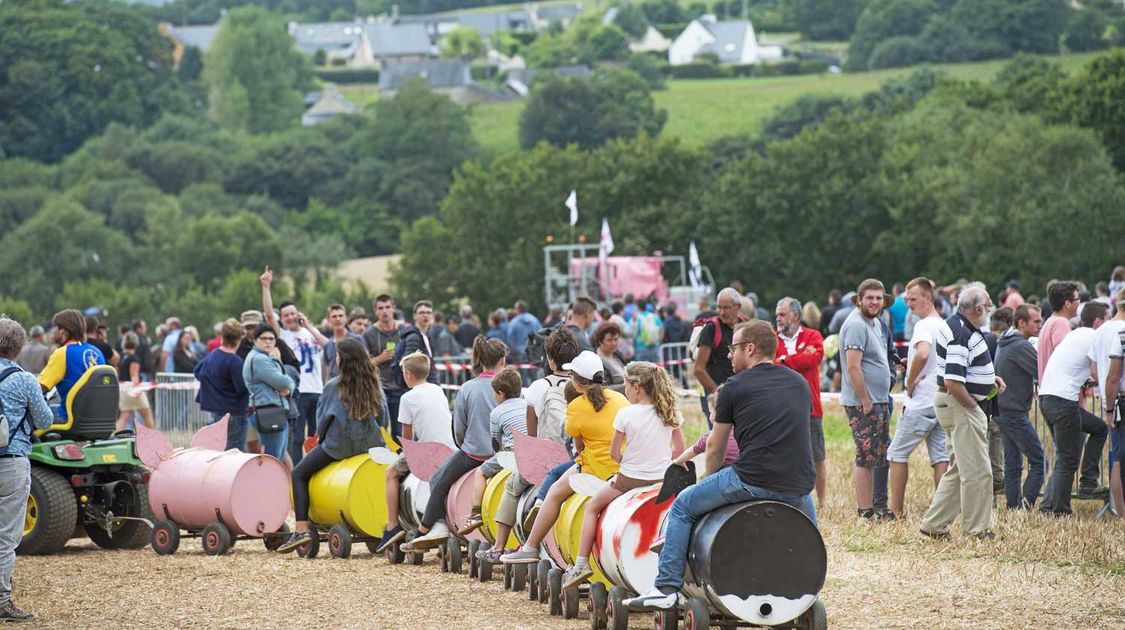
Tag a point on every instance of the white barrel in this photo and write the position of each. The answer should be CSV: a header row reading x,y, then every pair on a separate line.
x,y
629,525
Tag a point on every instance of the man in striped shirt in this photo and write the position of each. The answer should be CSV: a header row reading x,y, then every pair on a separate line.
x,y
965,377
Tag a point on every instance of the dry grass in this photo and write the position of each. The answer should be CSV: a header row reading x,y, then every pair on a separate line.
x,y
1038,572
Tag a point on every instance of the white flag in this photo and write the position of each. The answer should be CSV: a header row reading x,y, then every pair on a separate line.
x,y
572,203
696,271
606,243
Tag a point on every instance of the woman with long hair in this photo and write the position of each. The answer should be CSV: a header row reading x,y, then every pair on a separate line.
x,y
348,417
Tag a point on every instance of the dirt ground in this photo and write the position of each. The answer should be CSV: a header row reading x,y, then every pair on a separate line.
x,y
1067,573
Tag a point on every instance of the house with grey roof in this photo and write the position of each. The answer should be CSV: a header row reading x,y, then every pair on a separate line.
x,y
518,82
487,23
562,13
387,41
338,40
733,41
328,104
451,77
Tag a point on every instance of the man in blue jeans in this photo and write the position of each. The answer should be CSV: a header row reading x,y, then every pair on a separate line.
x,y
1017,364
767,407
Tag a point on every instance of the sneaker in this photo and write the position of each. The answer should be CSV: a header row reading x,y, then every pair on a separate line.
x,y
295,539
529,520
491,556
1092,492
390,537
576,575
654,599
867,515
935,535
886,515
11,612
471,525
521,556
657,546
987,534
433,538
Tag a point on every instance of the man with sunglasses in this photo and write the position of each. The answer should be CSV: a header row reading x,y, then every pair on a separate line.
x,y
1063,296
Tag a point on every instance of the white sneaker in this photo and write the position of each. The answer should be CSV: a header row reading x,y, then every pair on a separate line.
x,y
433,538
576,575
652,600
521,556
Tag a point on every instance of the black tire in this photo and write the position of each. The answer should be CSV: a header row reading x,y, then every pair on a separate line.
x,y
668,619
519,577
443,558
339,541
544,580
484,571
372,545
617,615
395,554
128,534
272,540
596,605
554,591
165,537
508,577
55,510
416,558
453,548
697,614
815,618
533,582
310,549
216,539
571,600
474,561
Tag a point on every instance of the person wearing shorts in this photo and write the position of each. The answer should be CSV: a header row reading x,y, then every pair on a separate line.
x,y
919,420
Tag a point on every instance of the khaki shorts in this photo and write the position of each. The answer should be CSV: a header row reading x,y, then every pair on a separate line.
x,y
133,403
623,484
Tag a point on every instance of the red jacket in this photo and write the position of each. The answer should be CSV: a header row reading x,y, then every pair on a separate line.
x,y
806,361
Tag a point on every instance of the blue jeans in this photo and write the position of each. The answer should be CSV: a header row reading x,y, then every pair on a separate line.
x,y
1020,441
236,429
393,398
721,488
306,420
552,476
1068,423
15,484
272,443
650,354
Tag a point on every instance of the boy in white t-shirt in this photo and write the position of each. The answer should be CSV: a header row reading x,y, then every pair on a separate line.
x,y
425,417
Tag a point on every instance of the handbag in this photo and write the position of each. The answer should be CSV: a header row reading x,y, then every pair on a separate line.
x,y
269,418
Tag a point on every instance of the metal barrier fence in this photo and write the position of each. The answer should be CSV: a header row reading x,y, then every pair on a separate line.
x,y
176,413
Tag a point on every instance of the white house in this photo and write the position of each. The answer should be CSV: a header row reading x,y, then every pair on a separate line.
x,y
734,42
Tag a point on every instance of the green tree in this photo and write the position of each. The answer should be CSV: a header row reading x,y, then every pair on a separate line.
x,y
191,64
631,19
462,43
883,20
648,69
1086,31
804,111
604,43
825,20
255,76
210,247
17,310
612,103
68,70
1004,27
664,11
1095,98
1030,84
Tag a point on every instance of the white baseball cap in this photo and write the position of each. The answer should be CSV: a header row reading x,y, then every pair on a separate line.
x,y
586,365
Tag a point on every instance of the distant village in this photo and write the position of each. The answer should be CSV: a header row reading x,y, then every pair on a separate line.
x,y
402,47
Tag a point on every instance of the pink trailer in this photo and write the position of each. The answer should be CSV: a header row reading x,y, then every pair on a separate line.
x,y
217,495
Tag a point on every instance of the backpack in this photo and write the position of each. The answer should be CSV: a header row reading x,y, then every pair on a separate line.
x,y
400,352
553,421
536,350
6,430
651,330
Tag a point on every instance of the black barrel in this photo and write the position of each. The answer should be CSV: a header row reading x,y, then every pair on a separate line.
x,y
762,562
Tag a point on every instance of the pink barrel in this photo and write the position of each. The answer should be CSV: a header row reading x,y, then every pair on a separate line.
x,y
627,528
459,504
247,493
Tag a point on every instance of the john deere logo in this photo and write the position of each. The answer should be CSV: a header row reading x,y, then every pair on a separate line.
x,y
105,380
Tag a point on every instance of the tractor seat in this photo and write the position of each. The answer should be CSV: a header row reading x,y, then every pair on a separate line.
x,y
91,406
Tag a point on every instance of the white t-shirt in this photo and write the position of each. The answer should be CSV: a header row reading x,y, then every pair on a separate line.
x,y
647,453
426,409
926,385
311,356
536,392
1069,366
1109,341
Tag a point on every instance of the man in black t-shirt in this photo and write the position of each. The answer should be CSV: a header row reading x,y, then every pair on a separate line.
x,y
767,407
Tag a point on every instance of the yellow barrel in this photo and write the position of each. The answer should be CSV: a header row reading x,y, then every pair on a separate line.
x,y
568,533
493,491
355,487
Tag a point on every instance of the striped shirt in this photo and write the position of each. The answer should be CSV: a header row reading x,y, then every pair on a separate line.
x,y
508,418
962,356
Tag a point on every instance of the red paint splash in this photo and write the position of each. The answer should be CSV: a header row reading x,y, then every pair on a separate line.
x,y
647,516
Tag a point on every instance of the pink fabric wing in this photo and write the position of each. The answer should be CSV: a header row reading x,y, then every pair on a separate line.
x,y
151,446
536,456
424,458
213,436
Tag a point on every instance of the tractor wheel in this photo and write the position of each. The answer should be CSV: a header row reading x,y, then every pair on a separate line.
x,y
165,537
51,513
126,534
216,539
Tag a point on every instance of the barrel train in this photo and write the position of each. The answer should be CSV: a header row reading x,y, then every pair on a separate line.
x,y
752,564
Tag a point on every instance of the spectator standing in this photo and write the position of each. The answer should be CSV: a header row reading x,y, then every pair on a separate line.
x,y
268,386
898,311
95,340
1117,280
467,329
607,338
581,319
617,316
650,334
144,349
676,330
129,371
172,330
184,356
222,389
802,349
841,314
33,356
1059,393
214,342
712,365
919,421
337,317
1013,299
810,315
441,339
358,323
965,377
1017,365
866,389
1063,297
829,311
23,407
519,328
1107,353
382,339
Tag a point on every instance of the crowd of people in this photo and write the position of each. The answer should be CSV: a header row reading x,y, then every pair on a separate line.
x,y
970,373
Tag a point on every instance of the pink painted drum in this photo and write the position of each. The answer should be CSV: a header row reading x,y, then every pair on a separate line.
x,y
247,493
459,504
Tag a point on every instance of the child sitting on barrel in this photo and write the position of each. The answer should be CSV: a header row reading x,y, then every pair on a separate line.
x,y
423,414
649,432
508,418
471,410
348,417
